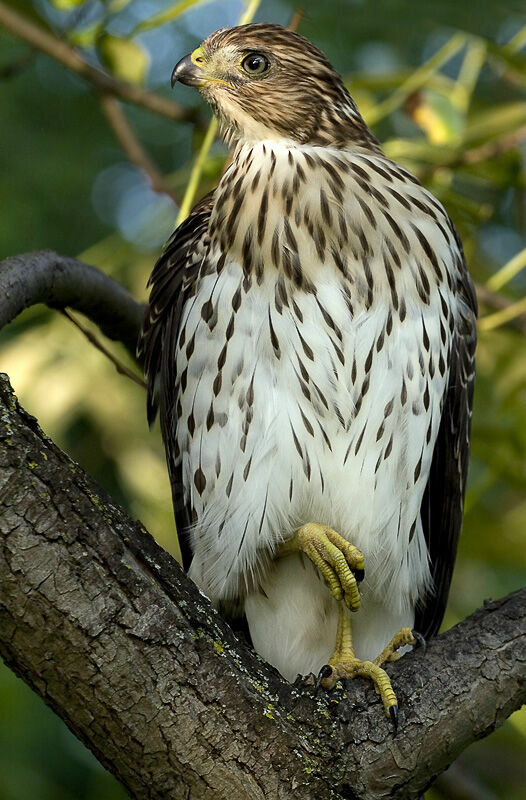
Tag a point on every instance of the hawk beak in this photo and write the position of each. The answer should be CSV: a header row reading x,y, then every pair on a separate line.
x,y
188,72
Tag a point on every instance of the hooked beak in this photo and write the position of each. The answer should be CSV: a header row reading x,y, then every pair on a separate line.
x,y
188,72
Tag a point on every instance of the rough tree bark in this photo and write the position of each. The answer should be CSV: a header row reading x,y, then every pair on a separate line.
x,y
104,625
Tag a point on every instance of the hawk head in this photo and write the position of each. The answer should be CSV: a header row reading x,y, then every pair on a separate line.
x,y
267,82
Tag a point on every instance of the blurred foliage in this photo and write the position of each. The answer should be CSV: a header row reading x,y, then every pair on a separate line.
x,y
124,58
443,85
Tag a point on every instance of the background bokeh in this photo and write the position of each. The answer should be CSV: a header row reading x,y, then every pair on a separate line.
x,y
443,85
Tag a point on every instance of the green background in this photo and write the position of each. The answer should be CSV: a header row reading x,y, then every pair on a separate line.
x,y
67,185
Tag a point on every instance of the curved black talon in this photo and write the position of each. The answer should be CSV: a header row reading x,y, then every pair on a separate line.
x,y
393,713
359,574
325,672
420,642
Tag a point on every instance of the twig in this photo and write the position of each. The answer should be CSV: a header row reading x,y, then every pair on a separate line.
x,y
296,19
168,14
507,272
499,318
133,147
468,75
92,339
195,175
492,149
499,304
486,151
416,80
60,51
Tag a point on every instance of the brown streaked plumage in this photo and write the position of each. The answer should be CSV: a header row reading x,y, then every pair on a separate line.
x,y
310,345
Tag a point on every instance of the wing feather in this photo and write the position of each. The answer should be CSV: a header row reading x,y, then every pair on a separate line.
x,y
172,282
443,501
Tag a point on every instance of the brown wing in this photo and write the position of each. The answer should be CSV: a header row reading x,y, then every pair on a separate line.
x,y
443,501
172,282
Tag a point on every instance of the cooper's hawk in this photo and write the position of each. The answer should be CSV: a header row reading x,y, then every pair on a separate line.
x,y
310,344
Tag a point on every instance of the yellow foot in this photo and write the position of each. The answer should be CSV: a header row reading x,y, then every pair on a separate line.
x,y
341,564
351,667
404,637
343,664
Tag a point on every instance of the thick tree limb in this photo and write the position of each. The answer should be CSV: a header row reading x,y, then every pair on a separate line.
x,y
103,624
60,282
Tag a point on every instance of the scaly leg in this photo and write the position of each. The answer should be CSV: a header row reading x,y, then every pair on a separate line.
x,y
343,664
340,563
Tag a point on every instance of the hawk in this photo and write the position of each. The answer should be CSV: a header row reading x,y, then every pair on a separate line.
x,y
309,345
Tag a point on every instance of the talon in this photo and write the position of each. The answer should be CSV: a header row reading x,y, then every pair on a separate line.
x,y
420,642
393,713
325,672
359,574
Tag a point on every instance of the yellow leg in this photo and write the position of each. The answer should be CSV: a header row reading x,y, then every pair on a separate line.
x,y
340,563
343,664
342,566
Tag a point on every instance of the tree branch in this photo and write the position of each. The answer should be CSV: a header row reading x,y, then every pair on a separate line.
x,y
104,625
498,302
133,147
62,52
121,368
465,158
60,282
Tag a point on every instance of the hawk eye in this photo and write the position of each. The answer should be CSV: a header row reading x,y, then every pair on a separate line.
x,y
255,64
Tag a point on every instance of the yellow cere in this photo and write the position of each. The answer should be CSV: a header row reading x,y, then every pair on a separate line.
x,y
197,53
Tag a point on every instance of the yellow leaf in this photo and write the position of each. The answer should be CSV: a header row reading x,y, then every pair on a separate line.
x,y
127,60
436,114
67,5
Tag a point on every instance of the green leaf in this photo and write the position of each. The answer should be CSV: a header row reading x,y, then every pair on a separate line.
x,y
127,60
85,37
167,15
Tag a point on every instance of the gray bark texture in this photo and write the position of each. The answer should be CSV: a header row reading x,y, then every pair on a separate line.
x,y
60,282
104,625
